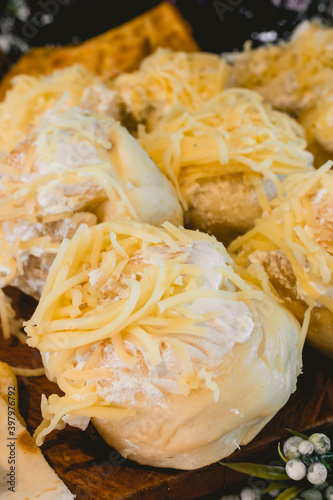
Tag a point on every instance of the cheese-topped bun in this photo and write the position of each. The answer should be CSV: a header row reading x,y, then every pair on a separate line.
x,y
289,75
154,335
31,97
294,247
167,78
294,76
230,154
80,167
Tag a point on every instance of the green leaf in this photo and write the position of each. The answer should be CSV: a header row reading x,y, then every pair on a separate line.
x,y
296,433
281,454
277,485
289,493
259,470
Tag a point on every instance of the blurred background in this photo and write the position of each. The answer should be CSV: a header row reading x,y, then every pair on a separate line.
x,y
218,25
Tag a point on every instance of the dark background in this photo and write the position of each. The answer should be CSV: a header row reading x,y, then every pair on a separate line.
x,y
218,25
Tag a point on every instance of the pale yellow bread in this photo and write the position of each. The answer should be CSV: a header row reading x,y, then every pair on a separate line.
x,y
33,478
255,381
18,450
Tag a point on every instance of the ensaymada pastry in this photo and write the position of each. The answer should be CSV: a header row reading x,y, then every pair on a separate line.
x,y
230,154
153,335
294,247
31,97
289,75
294,76
167,78
80,167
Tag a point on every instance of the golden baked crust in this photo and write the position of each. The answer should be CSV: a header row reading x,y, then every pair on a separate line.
x,y
117,50
216,205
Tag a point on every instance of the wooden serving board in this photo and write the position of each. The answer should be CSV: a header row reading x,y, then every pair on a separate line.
x,y
91,469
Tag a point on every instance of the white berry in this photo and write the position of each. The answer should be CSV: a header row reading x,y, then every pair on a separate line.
x,y
290,447
321,443
250,493
311,494
295,469
305,447
274,493
329,493
317,473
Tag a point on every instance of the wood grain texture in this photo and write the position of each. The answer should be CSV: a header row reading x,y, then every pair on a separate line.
x,y
93,470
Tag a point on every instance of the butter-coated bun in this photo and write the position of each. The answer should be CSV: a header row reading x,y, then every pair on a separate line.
x,y
256,379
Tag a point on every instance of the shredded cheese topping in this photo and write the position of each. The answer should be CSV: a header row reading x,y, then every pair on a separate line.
x,y
167,78
301,227
290,75
124,286
26,104
234,132
294,76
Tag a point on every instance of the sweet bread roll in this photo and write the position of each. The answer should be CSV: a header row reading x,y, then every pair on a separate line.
x,y
31,97
229,154
294,76
293,246
154,335
80,167
164,79
290,75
